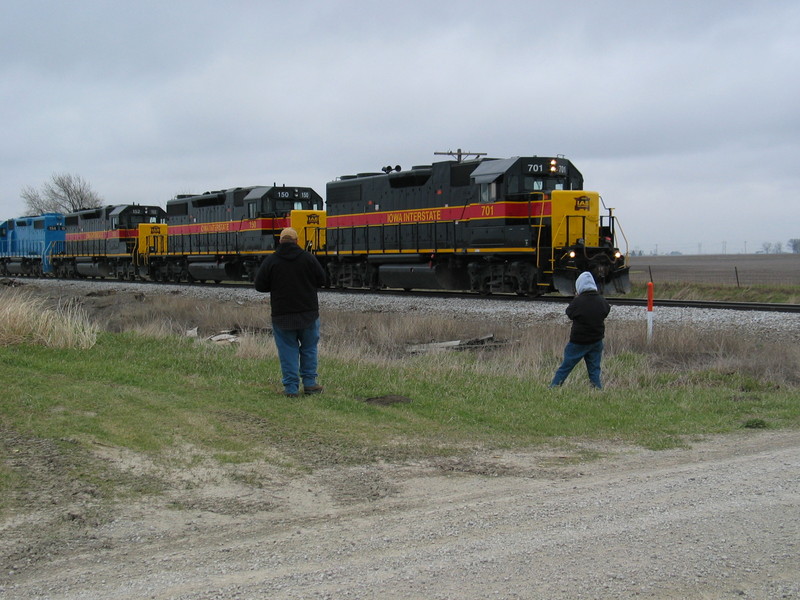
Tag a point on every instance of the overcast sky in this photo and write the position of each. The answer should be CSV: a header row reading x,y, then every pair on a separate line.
x,y
684,115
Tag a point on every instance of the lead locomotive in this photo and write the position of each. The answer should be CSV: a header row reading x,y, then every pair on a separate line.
x,y
520,225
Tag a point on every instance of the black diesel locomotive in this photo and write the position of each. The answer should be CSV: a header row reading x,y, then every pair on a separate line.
x,y
220,235
521,225
106,242
224,235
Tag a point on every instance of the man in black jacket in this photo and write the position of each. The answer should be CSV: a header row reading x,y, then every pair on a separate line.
x,y
291,276
587,311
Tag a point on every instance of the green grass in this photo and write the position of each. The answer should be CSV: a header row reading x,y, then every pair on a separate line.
x,y
148,395
172,400
114,416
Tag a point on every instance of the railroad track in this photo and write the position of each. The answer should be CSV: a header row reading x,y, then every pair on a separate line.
x,y
716,305
433,294
614,300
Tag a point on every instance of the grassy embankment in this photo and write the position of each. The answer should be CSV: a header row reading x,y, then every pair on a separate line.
x,y
779,294
159,394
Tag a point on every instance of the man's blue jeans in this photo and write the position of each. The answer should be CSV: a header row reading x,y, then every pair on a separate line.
x,y
573,353
297,351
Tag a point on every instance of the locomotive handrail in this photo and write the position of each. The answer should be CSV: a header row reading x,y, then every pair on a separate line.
x,y
564,221
135,256
47,255
540,226
624,237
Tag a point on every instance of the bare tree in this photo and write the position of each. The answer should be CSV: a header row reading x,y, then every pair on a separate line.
x,y
794,244
64,193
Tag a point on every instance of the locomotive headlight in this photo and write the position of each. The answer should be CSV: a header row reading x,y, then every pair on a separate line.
x,y
618,254
553,165
572,254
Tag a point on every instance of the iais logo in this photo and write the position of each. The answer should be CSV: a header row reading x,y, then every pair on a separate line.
x,y
582,203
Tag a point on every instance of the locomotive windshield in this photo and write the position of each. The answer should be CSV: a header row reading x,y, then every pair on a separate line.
x,y
538,184
285,200
130,221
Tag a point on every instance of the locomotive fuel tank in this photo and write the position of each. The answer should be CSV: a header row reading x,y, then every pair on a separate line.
x,y
424,275
19,267
203,270
88,267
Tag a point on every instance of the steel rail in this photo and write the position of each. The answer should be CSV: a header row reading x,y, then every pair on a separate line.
x,y
614,300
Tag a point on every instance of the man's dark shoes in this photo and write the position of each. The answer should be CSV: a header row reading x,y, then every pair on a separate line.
x,y
313,389
290,394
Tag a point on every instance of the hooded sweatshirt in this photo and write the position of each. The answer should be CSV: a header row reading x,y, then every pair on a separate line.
x,y
587,311
291,276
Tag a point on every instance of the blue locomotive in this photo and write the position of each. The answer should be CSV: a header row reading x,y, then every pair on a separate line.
x,y
27,244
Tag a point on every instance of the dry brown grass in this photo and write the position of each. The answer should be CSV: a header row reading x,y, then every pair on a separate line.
x,y
173,314
525,350
534,350
27,319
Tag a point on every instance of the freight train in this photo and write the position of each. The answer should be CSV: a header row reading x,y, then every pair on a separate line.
x,y
521,225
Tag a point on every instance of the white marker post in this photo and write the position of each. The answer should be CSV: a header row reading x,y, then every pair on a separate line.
x,y
649,311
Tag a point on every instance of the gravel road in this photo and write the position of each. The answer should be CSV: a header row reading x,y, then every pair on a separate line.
x,y
718,520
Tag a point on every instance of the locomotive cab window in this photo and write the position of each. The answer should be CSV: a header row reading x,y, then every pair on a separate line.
x,y
251,210
489,192
533,184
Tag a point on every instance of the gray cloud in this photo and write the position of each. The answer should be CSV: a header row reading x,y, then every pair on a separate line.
x,y
681,113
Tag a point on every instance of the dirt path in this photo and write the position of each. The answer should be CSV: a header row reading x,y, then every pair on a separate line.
x,y
718,520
